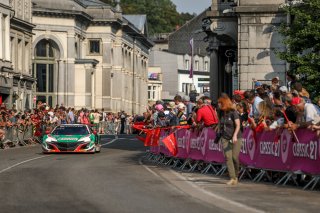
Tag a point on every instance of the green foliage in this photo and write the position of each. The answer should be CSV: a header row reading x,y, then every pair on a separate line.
x,y
162,15
302,38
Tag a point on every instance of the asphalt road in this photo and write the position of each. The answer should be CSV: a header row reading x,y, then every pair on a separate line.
x,y
111,181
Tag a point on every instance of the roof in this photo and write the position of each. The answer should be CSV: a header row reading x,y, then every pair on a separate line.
x,y
139,21
68,4
87,3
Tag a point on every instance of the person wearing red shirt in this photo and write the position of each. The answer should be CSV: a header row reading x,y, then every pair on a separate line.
x,y
206,114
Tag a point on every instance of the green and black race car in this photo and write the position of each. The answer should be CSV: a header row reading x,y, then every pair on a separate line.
x,y
71,138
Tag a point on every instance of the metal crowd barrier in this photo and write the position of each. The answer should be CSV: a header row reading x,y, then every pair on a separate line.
x,y
18,135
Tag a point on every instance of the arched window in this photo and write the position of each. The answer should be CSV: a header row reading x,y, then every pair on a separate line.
x,y
46,53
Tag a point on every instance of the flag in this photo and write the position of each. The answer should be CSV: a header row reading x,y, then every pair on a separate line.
x,y
171,143
191,64
152,138
141,138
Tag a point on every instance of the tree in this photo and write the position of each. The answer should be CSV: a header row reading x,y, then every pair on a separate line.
x,y
302,38
162,15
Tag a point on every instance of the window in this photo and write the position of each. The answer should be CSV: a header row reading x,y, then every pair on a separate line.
x,y
206,66
20,59
186,64
152,92
13,52
27,57
196,63
186,88
3,32
45,70
94,47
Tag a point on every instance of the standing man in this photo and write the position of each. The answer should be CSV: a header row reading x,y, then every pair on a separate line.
x,y
123,121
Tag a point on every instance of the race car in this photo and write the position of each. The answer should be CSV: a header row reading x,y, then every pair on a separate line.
x,y
71,138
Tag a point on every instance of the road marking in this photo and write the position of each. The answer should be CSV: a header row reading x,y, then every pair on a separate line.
x,y
110,142
148,169
218,197
23,162
223,202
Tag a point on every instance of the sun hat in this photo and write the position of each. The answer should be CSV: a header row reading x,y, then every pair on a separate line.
x,y
171,105
283,89
181,106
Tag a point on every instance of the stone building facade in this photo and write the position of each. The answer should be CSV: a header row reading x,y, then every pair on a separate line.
x,y
16,81
88,54
175,61
242,32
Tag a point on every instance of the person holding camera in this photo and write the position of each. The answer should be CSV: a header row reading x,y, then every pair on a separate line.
x,y
231,137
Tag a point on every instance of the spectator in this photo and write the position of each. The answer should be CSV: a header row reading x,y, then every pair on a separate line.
x,y
257,85
189,105
206,114
302,92
181,114
254,101
171,117
123,117
311,114
290,110
291,80
231,138
243,113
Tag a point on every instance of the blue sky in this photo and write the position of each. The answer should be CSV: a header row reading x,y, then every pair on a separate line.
x,y
192,6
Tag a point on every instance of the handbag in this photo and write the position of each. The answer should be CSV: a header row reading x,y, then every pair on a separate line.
x,y
218,137
218,134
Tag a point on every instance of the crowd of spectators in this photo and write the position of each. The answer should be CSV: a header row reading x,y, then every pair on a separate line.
x,y
264,108
44,118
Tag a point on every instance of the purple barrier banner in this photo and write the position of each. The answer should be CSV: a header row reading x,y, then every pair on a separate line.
x,y
197,149
155,149
214,151
273,150
183,141
276,150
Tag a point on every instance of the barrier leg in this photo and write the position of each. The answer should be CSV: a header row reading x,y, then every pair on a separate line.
x,y
147,155
222,170
194,166
286,178
168,163
245,171
176,163
207,169
313,181
262,173
161,160
150,155
185,164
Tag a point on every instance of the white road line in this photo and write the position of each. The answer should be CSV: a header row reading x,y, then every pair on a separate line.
x,y
110,142
218,197
23,162
148,169
234,204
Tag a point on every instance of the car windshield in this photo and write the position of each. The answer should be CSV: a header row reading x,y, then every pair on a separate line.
x,y
70,130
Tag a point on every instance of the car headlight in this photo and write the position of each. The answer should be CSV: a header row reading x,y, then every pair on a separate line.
x,y
85,139
51,139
